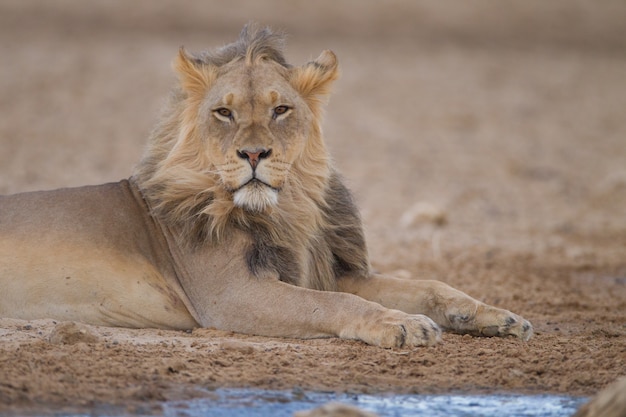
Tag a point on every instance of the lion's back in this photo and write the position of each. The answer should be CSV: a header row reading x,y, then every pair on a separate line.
x,y
90,212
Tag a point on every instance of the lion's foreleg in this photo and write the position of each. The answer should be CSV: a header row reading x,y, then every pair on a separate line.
x,y
269,307
449,308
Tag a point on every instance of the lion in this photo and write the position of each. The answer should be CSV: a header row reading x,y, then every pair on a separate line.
x,y
234,219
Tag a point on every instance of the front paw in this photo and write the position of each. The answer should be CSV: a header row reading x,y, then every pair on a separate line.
x,y
490,321
395,329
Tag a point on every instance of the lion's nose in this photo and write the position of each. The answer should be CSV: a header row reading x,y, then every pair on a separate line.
x,y
254,156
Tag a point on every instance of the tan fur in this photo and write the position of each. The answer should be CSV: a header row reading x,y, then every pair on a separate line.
x,y
234,219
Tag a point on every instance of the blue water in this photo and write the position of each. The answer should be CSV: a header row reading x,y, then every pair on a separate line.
x,y
248,403
251,402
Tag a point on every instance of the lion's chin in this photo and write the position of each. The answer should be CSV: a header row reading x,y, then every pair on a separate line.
x,y
255,196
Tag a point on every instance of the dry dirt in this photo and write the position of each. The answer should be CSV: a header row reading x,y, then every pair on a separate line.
x,y
487,149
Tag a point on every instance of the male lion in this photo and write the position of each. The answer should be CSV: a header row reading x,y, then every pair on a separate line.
x,y
234,219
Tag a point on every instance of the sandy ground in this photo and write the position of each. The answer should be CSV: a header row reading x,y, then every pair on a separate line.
x,y
508,124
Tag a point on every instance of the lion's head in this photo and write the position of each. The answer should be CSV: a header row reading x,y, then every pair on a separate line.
x,y
241,136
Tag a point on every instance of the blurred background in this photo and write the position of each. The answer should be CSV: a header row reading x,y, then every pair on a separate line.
x,y
491,125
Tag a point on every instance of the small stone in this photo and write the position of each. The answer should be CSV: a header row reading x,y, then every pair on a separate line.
x,y
70,333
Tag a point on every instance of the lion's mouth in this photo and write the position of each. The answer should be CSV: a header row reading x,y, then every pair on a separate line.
x,y
255,182
255,195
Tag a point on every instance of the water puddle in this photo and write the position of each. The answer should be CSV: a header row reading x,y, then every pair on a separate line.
x,y
249,403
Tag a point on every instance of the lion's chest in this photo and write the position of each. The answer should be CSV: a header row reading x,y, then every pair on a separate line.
x,y
307,263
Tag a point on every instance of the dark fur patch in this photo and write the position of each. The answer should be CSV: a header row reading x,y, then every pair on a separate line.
x,y
344,235
265,256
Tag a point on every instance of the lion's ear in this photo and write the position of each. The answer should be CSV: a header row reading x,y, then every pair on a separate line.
x,y
195,76
314,79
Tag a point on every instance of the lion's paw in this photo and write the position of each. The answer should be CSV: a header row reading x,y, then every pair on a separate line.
x,y
397,329
490,321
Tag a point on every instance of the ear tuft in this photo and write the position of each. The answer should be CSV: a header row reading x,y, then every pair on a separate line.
x,y
313,80
195,76
327,59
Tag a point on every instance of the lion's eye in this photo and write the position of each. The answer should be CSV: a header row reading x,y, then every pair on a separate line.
x,y
224,112
280,110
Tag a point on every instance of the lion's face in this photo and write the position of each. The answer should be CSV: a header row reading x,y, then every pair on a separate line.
x,y
254,121
255,126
